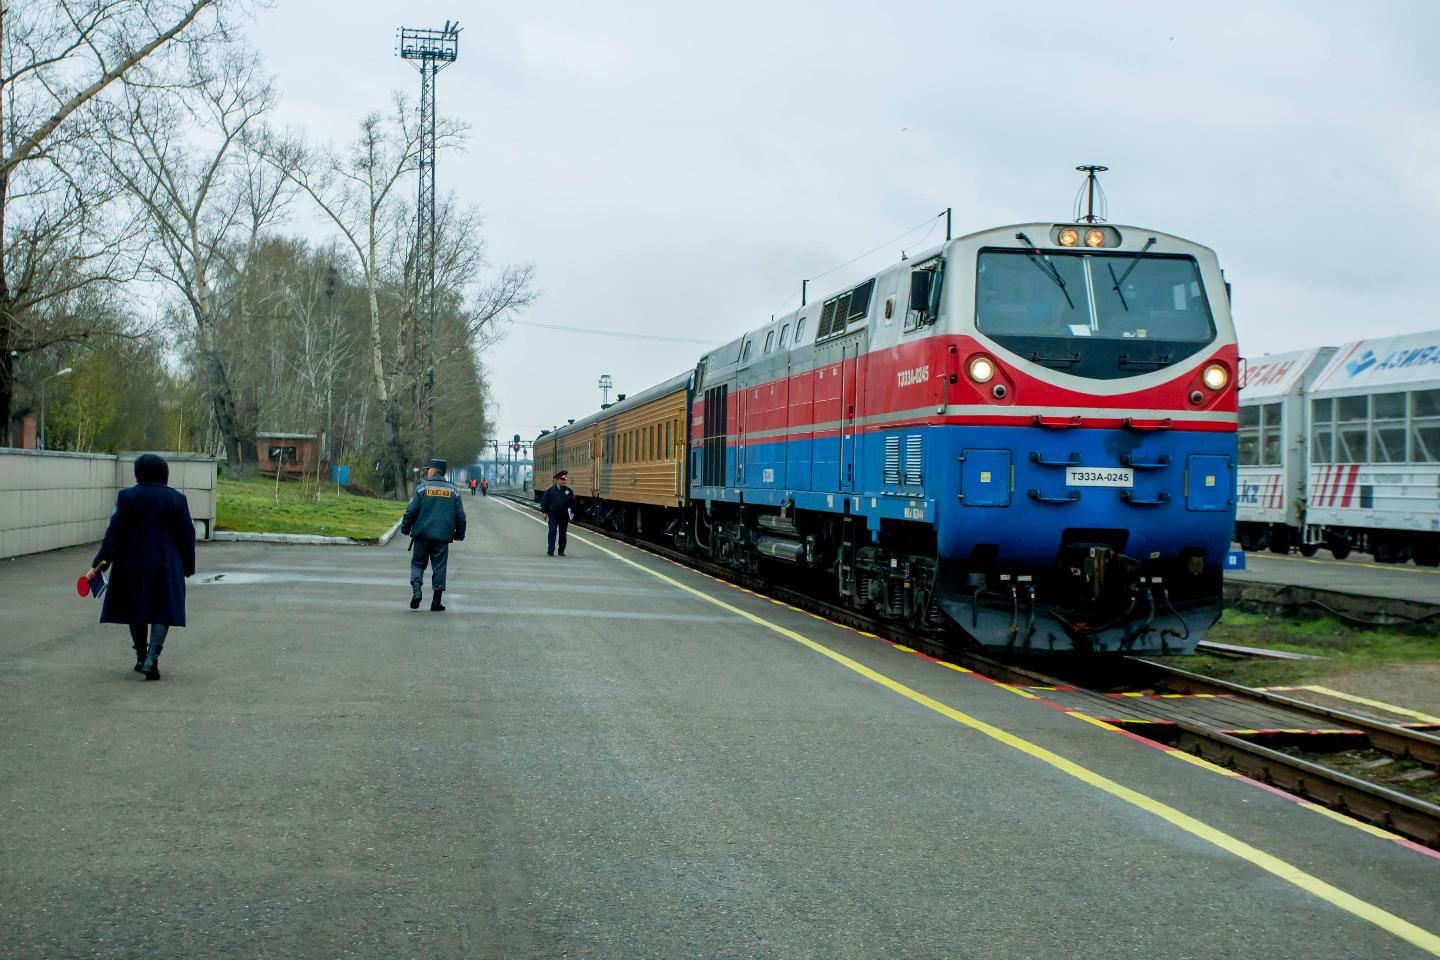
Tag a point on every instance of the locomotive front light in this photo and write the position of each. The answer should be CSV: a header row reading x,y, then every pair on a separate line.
x,y
1069,237
982,369
1215,377
1094,238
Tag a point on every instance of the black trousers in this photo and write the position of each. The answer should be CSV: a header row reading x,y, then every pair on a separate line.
x,y
558,525
437,554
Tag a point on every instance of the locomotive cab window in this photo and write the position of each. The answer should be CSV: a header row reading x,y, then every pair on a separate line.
x,y
769,341
1106,316
784,335
924,297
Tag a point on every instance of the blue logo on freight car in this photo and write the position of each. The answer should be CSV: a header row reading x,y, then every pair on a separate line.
x,y
1361,365
1428,355
1249,492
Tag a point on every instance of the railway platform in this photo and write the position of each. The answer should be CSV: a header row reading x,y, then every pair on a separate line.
x,y
608,755
1356,574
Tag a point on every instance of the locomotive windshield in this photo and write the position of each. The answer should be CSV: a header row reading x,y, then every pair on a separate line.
x,y
1151,311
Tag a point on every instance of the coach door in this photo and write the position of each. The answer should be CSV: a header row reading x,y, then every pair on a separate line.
x,y
852,374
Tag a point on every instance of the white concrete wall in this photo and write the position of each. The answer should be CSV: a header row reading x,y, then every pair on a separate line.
x,y
51,499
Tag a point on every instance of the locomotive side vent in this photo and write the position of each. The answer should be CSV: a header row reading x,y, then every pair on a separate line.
x,y
892,459
914,457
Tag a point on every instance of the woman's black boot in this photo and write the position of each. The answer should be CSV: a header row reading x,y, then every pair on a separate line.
x,y
137,639
151,667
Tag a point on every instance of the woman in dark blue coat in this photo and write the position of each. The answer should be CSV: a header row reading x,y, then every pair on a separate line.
x,y
150,549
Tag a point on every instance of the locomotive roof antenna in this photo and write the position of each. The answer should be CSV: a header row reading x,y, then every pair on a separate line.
x,y
431,51
1090,191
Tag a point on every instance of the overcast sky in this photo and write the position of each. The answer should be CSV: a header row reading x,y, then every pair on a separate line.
x,y
674,169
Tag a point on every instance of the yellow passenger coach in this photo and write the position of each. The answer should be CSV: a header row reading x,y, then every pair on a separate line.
x,y
624,460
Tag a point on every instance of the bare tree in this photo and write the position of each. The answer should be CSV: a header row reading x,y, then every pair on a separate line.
x,y
208,199
359,191
473,302
58,59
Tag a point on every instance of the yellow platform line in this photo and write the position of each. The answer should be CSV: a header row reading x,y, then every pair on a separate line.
x,y
1389,922
1378,704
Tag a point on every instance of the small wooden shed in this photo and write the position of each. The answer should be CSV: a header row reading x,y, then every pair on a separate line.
x,y
295,453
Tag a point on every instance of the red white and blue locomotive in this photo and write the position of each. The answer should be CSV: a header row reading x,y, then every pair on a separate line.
x,y
1027,433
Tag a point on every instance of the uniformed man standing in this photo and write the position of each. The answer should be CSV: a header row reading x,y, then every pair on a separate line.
x,y
434,517
557,503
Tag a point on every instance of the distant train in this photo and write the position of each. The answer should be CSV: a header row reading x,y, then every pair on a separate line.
x,y
1027,433
1340,448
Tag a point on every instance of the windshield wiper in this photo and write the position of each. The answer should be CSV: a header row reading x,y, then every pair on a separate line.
x,y
1046,267
1069,360
1128,361
1133,264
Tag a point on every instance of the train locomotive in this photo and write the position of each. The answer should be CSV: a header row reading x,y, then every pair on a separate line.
x,y
1025,436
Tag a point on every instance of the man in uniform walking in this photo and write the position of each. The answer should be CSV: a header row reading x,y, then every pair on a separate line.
x,y
556,503
434,517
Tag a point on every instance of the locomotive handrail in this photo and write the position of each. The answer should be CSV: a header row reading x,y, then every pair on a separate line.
x,y
1160,499
1070,497
1130,461
1133,423
1071,460
1057,423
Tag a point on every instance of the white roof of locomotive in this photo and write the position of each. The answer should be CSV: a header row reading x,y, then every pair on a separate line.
x,y
1276,375
1410,361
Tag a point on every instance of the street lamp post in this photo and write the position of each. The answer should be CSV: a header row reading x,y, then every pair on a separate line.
x,y
58,373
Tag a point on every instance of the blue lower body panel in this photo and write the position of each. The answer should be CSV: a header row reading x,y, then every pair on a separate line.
x,y
1046,540
1096,541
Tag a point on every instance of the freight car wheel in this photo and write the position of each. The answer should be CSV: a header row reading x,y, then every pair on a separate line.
x,y
1427,553
1339,550
1309,549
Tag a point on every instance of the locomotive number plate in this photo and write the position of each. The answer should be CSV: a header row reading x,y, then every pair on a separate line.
x,y
1099,477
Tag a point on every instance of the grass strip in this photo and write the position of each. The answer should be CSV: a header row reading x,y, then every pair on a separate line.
x,y
250,506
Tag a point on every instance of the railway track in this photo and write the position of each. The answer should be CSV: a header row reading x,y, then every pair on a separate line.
x,y
1329,756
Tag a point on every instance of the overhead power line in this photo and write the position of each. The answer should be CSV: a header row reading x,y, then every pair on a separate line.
x,y
613,333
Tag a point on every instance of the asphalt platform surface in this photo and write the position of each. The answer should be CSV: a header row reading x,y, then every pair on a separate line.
x,y
1356,574
580,759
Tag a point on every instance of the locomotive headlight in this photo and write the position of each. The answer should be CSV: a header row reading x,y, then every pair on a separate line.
x,y
1094,238
1215,377
982,369
1069,237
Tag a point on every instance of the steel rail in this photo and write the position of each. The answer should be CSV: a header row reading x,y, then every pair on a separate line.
x,y
1401,741
1372,803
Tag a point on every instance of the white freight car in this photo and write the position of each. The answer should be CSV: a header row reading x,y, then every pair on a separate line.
x,y
1270,497
1374,452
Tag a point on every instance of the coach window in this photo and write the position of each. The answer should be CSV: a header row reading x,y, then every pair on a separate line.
x,y
1270,434
1425,426
784,335
1322,425
1352,422
1387,413
1247,436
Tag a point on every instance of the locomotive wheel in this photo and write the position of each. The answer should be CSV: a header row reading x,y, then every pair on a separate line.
x,y
1309,549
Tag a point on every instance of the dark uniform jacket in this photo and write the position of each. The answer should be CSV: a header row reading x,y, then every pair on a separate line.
x,y
435,512
557,502
150,544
